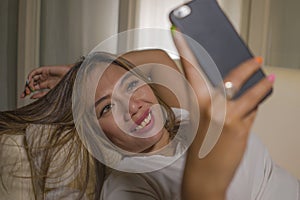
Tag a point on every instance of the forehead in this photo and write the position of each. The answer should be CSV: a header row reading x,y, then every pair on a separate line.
x,y
109,78
112,74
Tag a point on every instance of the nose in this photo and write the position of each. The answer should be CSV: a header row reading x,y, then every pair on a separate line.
x,y
134,105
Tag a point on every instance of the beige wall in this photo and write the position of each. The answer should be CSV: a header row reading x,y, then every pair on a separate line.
x,y
278,120
283,45
274,31
233,10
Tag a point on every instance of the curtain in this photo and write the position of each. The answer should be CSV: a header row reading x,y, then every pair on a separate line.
x,y
72,28
8,53
57,32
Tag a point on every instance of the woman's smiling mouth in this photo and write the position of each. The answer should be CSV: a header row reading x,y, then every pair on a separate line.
x,y
144,121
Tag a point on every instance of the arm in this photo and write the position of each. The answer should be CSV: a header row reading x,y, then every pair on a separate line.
x,y
209,177
163,71
45,77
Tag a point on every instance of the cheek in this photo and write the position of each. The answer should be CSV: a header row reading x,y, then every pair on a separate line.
x,y
148,93
109,127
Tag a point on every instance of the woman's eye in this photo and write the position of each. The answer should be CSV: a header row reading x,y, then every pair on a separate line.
x,y
106,109
132,85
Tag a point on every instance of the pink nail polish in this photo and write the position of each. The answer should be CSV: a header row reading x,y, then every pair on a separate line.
x,y
271,78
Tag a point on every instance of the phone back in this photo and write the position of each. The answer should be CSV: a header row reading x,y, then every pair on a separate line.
x,y
205,22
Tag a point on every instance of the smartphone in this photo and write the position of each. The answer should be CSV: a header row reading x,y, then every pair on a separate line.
x,y
205,22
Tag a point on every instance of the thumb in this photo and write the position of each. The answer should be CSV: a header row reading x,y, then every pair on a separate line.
x,y
191,68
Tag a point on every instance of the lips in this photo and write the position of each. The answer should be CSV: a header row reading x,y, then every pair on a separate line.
x,y
142,122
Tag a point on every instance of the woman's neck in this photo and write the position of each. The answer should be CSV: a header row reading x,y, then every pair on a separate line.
x,y
163,142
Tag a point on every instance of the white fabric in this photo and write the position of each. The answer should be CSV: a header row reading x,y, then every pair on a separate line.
x,y
16,182
14,167
257,178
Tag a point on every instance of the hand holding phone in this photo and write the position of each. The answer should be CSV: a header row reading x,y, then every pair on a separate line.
x,y
204,22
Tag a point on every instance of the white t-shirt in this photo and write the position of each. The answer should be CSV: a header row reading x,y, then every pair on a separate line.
x,y
256,178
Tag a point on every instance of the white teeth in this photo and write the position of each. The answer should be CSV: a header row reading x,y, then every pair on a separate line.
x,y
144,123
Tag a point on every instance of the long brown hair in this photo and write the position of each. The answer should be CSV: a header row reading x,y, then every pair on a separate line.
x,y
52,114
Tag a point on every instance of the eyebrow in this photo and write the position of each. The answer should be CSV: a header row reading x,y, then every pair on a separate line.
x,y
101,99
128,75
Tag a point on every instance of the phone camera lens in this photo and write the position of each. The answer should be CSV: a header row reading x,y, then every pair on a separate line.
x,y
182,11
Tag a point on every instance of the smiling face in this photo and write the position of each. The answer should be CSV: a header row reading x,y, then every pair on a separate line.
x,y
128,111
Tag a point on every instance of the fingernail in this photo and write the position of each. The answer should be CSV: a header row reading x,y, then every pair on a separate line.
x,y
271,78
259,60
173,28
27,92
27,82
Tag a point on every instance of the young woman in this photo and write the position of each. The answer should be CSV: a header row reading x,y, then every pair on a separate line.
x,y
63,161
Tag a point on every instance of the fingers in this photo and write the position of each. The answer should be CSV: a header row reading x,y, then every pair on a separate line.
x,y
29,84
192,70
39,95
254,95
251,98
34,76
38,86
25,92
27,89
34,80
35,72
187,57
243,72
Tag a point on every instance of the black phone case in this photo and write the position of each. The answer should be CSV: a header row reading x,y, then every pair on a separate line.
x,y
209,26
